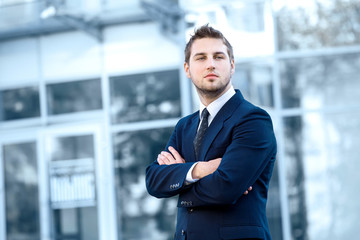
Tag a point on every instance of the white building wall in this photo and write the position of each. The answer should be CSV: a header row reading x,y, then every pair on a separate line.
x,y
69,55
19,62
76,55
137,47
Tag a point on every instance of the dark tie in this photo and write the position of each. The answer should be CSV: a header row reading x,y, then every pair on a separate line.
x,y
201,132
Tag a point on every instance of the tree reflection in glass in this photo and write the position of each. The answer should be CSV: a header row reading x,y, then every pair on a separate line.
x,y
75,96
72,147
19,103
316,24
322,175
148,96
317,82
141,216
21,191
293,128
255,83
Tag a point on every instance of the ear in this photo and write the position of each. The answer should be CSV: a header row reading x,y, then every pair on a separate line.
x,y
232,66
187,69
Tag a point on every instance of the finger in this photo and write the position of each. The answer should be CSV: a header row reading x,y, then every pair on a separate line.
x,y
174,152
160,161
164,159
167,155
176,155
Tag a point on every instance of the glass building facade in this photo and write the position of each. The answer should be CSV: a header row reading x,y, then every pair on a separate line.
x,y
82,119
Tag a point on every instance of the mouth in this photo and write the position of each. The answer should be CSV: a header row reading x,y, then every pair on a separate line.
x,y
211,75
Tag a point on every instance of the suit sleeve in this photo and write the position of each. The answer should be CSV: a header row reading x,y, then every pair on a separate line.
x,y
251,150
163,181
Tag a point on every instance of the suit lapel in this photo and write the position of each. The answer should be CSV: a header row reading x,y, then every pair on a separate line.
x,y
218,122
190,136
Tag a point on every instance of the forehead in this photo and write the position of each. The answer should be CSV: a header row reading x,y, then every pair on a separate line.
x,y
208,46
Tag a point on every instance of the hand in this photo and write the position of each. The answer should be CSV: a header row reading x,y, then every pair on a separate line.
x,y
247,191
165,158
202,169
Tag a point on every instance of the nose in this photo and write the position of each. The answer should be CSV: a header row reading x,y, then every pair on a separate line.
x,y
210,64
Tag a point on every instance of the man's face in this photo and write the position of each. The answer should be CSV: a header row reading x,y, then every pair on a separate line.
x,y
210,68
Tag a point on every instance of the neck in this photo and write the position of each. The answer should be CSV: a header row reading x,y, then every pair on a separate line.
x,y
208,97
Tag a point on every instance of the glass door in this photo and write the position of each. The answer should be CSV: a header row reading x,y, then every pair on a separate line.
x,y
56,183
19,186
71,157
21,190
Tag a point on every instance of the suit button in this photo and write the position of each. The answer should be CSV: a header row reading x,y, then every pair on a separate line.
x,y
191,210
182,232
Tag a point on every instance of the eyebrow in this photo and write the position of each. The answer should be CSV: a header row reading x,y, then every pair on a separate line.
x,y
202,53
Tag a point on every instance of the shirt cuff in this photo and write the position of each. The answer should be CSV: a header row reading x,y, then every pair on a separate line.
x,y
189,179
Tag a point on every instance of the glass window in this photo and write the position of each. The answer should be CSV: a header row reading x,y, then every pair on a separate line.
x,y
322,175
273,207
19,103
246,17
295,177
21,179
133,152
315,24
72,147
77,96
146,96
255,83
76,223
317,82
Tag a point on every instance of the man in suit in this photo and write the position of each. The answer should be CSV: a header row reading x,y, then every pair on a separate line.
x,y
219,160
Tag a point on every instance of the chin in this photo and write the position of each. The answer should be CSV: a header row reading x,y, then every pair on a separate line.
x,y
212,91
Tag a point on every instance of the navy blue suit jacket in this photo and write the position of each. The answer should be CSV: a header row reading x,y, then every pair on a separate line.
x,y
214,207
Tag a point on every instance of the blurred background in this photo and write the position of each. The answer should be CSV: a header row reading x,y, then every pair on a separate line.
x,y
90,91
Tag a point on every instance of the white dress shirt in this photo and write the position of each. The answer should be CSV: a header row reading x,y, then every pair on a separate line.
x,y
213,109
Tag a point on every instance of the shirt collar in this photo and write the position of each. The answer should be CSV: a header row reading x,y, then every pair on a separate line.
x,y
216,105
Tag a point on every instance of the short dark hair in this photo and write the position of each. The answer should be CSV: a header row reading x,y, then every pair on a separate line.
x,y
206,31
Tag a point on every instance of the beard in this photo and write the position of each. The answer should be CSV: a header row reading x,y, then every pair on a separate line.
x,y
213,92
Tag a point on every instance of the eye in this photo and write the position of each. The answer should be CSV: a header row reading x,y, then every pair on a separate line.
x,y
200,58
219,57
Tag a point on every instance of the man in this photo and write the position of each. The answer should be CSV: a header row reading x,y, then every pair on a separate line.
x,y
217,154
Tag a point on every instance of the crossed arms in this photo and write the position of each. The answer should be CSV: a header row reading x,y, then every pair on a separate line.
x,y
247,161
201,169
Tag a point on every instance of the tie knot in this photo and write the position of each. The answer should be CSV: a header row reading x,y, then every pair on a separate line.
x,y
205,114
